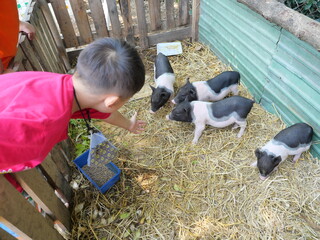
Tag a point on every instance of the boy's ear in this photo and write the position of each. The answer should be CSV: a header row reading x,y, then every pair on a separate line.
x,y
111,100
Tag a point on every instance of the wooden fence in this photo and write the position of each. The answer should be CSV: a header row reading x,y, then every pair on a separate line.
x,y
44,184
149,21
47,51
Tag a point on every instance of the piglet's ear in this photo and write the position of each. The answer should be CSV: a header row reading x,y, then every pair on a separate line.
x,y
152,88
276,160
187,80
258,153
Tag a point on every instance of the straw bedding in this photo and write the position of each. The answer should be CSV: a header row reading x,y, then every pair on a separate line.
x,y
171,189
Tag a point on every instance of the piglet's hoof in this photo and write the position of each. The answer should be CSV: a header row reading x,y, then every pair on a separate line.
x,y
152,112
167,117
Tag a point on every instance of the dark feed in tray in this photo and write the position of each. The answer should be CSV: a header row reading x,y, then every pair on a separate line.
x,y
99,173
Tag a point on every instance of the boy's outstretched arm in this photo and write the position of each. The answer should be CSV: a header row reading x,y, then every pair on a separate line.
x,y
133,125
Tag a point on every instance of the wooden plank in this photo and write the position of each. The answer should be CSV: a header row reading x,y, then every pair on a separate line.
x,y
17,63
55,33
67,149
61,162
183,12
195,20
114,17
30,54
40,44
99,19
125,9
142,24
53,52
55,178
27,65
79,11
6,236
170,14
155,15
33,182
168,36
63,18
45,42
21,217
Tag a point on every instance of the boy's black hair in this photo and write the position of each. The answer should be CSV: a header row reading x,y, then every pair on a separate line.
x,y
111,65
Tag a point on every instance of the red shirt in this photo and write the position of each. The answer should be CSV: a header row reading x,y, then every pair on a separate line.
x,y
35,109
9,30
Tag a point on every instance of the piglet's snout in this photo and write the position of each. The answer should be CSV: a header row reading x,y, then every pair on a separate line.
x,y
263,177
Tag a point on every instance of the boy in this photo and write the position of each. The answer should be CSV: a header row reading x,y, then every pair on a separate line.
x,y
36,107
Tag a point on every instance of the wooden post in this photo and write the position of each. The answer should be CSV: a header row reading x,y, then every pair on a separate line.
x,y
127,21
142,24
98,18
155,15
170,14
183,12
195,20
63,18
114,17
80,14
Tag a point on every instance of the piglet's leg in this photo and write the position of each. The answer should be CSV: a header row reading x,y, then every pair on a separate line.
x,y
235,126
197,132
296,157
242,128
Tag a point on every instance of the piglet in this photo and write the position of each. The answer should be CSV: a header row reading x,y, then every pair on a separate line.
x,y
164,78
212,90
293,140
217,114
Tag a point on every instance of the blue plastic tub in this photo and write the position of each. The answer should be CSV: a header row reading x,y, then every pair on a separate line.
x,y
81,161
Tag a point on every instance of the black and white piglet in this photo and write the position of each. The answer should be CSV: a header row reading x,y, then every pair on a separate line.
x,y
164,78
217,114
212,90
293,140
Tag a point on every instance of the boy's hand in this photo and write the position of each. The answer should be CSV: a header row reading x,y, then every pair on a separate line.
x,y
136,126
28,29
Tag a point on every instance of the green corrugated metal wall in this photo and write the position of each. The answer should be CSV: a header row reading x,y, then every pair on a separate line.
x,y
280,71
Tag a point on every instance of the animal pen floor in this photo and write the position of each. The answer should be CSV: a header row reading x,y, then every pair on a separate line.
x,y
171,189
